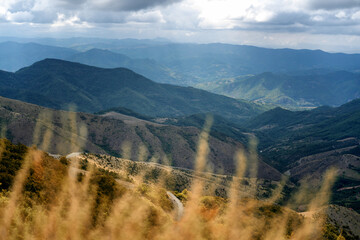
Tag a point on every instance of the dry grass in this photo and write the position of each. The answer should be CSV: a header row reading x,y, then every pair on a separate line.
x,y
79,211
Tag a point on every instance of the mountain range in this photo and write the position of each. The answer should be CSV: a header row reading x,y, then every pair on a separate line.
x,y
209,62
285,77
57,83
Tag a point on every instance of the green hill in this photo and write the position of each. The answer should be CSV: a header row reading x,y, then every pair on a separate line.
x,y
57,83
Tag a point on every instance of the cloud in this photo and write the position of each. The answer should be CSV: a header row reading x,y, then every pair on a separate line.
x,y
333,4
72,21
115,5
146,17
70,4
130,5
89,11
20,17
20,6
278,16
356,16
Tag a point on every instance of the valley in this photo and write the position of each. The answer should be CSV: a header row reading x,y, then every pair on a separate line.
x,y
273,134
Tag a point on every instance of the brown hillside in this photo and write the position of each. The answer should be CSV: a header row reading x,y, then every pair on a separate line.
x,y
63,132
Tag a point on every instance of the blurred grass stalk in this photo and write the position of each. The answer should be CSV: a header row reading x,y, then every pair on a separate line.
x,y
133,216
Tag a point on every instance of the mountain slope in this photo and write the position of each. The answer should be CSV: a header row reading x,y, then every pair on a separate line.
x,y
63,132
287,136
94,89
14,56
305,144
291,91
285,120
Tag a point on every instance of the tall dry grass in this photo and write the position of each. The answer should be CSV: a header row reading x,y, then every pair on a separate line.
x,y
140,212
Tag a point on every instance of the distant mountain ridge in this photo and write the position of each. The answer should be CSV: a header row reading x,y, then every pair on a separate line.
x,y
210,62
201,62
146,67
14,56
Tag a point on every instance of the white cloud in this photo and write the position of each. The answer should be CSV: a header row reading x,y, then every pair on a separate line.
x,y
146,17
317,18
72,21
356,16
3,12
21,16
341,15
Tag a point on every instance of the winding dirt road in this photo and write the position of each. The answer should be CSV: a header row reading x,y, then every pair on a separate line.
x,y
179,207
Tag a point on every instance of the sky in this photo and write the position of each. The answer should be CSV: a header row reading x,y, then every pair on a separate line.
x,y
330,25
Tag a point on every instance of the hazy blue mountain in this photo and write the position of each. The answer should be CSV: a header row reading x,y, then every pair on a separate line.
x,y
146,67
14,56
84,44
181,63
57,83
307,89
209,62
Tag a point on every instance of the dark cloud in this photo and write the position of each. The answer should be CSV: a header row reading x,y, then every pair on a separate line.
x,y
333,4
71,4
103,17
115,5
133,5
